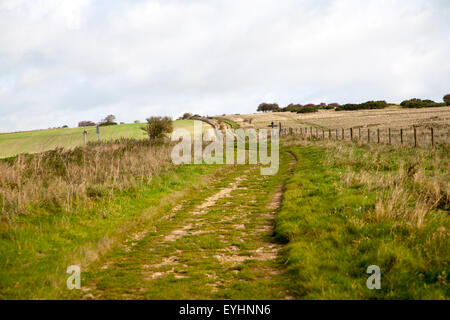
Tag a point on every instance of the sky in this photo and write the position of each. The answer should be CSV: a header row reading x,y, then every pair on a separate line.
x,y
66,61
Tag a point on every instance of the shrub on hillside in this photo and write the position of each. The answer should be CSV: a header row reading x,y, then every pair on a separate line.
x,y
447,99
157,128
418,103
332,106
292,108
309,108
348,107
108,121
86,124
186,116
268,107
374,104
362,106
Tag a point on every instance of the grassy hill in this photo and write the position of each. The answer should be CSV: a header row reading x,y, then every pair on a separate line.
x,y
12,144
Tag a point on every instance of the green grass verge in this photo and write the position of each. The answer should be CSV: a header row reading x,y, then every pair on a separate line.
x,y
35,253
231,123
331,239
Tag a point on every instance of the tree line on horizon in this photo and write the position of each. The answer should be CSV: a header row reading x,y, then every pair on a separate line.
x,y
381,104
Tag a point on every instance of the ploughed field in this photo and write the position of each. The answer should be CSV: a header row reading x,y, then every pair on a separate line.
x,y
393,117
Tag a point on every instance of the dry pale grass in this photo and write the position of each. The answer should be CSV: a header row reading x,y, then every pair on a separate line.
x,y
60,179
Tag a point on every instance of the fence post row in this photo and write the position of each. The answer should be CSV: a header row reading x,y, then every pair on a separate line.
x,y
304,132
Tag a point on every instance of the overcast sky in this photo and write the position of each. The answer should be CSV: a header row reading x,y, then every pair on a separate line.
x,y
66,61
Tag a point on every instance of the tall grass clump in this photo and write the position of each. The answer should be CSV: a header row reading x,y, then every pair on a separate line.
x,y
60,180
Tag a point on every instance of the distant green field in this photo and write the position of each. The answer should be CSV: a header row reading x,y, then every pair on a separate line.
x,y
12,144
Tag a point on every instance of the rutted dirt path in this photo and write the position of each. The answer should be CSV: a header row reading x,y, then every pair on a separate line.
x,y
217,246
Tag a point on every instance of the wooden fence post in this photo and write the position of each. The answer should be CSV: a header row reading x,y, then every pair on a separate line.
x,y
368,135
401,136
323,134
378,133
432,137
329,134
343,134
85,137
359,134
415,136
351,134
389,135
336,135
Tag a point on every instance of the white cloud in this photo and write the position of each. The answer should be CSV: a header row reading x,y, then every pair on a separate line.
x,y
65,61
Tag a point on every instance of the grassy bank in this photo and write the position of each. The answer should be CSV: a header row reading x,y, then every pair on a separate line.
x,y
348,207
233,125
69,207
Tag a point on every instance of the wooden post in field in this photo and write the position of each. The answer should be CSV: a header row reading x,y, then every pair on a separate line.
x,y
310,132
378,133
368,135
401,136
336,135
389,135
351,134
359,134
343,134
85,137
98,133
432,137
323,134
329,134
415,136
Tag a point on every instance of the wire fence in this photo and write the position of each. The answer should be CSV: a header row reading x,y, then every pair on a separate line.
x,y
411,136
